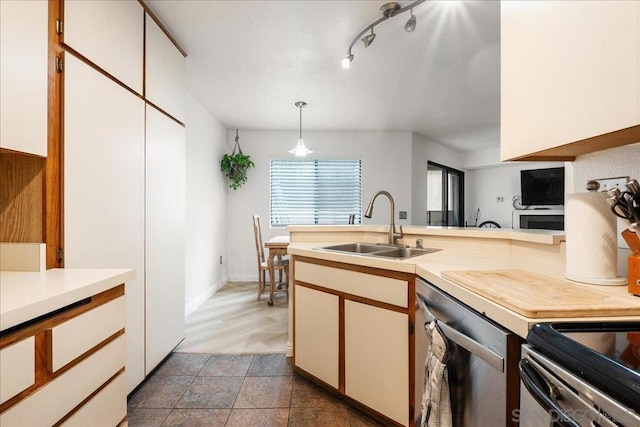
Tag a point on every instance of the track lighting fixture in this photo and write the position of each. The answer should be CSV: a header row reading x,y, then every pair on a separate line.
x,y
367,40
388,10
300,150
410,26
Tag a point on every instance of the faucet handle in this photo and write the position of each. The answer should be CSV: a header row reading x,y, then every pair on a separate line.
x,y
419,243
399,235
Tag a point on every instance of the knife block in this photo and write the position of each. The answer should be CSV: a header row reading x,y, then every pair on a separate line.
x,y
633,262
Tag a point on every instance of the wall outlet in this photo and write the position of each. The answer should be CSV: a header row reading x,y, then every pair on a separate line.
x,y
499,199
220,259
402,214
607,184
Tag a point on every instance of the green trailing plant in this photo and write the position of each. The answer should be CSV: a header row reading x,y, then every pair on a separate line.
x,y
234,166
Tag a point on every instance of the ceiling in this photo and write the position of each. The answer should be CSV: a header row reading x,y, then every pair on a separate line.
x,y
250,61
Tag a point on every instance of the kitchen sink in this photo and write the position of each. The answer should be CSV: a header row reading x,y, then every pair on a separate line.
x,y
406,252
358,248
378,250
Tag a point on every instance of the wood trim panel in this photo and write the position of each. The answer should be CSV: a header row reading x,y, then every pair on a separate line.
x,y
412,349
52,191
34,329
341,346
21,195
568,152
162,27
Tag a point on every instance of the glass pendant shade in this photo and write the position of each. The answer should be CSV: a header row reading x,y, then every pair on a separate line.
x,y
300,150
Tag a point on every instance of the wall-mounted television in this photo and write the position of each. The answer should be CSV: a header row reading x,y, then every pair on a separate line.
x,y
542,187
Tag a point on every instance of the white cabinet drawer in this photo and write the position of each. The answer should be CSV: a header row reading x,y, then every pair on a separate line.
x,y
17,365
383,289
79,334
107,408
57,398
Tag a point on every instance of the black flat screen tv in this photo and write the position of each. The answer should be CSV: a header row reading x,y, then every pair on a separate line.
x,y
542,187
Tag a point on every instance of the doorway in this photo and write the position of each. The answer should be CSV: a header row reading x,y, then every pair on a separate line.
x,y
445,196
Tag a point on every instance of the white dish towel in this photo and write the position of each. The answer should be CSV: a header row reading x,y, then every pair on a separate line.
x,y
436,399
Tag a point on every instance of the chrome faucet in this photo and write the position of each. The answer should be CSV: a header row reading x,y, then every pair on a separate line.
x,y
393,236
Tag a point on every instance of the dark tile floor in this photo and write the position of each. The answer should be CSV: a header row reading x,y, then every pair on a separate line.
x,y
236,390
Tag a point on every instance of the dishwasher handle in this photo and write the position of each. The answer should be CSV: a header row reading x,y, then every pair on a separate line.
x,y
469,344
536,385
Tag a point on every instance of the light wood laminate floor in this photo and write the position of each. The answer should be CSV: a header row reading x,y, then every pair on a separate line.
x,y
232,321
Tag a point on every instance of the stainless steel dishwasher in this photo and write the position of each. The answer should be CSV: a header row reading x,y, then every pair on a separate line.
x,y
483,362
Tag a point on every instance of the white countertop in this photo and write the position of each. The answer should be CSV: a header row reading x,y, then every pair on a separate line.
x,y
430,267
27,295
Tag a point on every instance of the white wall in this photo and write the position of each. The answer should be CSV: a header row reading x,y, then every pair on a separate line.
x,y
205,206
423,151
485,185
612,163
386,165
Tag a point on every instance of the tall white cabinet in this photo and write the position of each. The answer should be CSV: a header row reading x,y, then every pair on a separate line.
x,y
105,189
124,165
165,199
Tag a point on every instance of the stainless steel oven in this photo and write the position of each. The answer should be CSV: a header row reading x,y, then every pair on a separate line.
x,y
482,364
581,374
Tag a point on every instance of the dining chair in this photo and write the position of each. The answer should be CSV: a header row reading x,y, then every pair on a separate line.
x,y
279,265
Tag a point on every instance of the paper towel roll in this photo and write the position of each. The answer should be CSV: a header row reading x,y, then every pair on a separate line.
x,y
591,234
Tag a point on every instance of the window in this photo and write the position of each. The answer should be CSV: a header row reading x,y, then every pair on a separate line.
x,y
445,195
315,191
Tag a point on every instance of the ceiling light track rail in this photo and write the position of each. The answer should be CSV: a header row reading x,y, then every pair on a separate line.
x,y
388,10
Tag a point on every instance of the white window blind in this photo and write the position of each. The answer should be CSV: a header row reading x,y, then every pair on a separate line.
x,y
315,191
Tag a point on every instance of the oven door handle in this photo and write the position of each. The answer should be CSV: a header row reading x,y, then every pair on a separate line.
x,y
469,344
533,381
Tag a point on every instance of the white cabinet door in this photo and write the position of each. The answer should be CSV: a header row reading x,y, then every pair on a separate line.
x,y
376,356
570,71
109,34
165,235
316,334
23,76
104,189
164,72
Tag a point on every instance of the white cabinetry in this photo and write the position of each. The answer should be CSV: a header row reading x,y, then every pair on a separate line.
x,y
352,332
316,348
165,203
570,72
23,76
104,189
377,359
91,387
109,34
164,72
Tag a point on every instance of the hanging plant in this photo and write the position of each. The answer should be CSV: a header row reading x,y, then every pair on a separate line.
x,y
234,166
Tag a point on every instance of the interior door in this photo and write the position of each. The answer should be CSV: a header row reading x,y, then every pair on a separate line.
x,y
445,196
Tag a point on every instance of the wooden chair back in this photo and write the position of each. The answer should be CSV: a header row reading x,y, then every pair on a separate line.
x,y
257,233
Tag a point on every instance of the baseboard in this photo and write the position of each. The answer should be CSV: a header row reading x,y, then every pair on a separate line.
x,y
243,278
193,305
289,352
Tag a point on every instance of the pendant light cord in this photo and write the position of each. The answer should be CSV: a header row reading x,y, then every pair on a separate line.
x,y
300,121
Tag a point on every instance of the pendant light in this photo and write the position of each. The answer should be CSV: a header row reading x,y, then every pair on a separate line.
x,y
300,150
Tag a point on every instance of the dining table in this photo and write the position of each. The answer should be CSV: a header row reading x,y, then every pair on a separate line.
x,y
277,247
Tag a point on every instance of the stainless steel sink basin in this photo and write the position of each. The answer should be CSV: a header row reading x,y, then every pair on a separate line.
x,y
378,250
358,248
405,252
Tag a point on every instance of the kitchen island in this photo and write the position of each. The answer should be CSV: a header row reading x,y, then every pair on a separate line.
x,y
355,301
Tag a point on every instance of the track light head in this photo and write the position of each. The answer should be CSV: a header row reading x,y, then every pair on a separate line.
x,y
368,39
410,26
346,62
